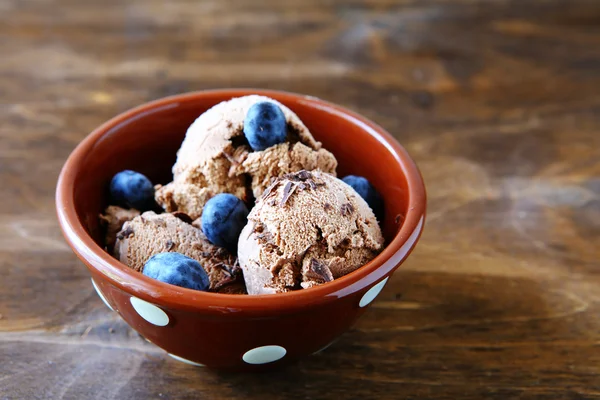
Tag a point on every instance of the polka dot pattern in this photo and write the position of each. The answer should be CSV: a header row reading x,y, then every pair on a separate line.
x,y
372,293
101,295
264,354
183,360
149,312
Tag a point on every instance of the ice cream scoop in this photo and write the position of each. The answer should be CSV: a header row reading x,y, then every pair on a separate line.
x,y
113,219
307,228
150,234
215,157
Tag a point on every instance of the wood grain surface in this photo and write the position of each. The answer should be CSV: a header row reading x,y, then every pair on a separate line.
x,y
499,103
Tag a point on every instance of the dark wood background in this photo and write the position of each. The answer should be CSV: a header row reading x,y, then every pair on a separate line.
x,y
498,102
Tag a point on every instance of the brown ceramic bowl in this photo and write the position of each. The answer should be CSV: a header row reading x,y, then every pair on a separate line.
x,y
235,331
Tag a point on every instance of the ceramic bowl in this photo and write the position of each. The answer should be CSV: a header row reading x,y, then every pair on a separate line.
x,y
226,331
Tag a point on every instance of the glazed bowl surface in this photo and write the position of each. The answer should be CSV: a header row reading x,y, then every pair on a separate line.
x,y
225,331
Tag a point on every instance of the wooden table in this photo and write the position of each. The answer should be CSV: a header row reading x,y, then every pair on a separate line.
x,y
498,101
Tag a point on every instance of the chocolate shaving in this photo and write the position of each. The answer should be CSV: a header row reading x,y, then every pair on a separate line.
x,y
232,274
295,181
300,176
313,184
182,216
346,209
327,207
304,175
288,190
286,193
322,271
269,189
169,245
230,270
125,233
216,253
293,189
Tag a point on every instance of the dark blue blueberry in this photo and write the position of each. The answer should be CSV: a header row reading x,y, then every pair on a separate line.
x,y
364,188
132,189
177,269
223,218
265,125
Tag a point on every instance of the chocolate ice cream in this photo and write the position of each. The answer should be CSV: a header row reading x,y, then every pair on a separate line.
x,y
307,228
215,158
151,233
113,219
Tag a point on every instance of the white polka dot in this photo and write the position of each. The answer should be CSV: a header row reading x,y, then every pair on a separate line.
x,y
372,293
186,361
150,312
101,295
264,354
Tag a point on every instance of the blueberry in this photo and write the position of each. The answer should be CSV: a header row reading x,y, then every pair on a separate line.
x,y
265,125
364,188
132,189
177,269
223,218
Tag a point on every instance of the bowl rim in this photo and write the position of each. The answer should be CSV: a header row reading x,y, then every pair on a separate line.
x,y
134,283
